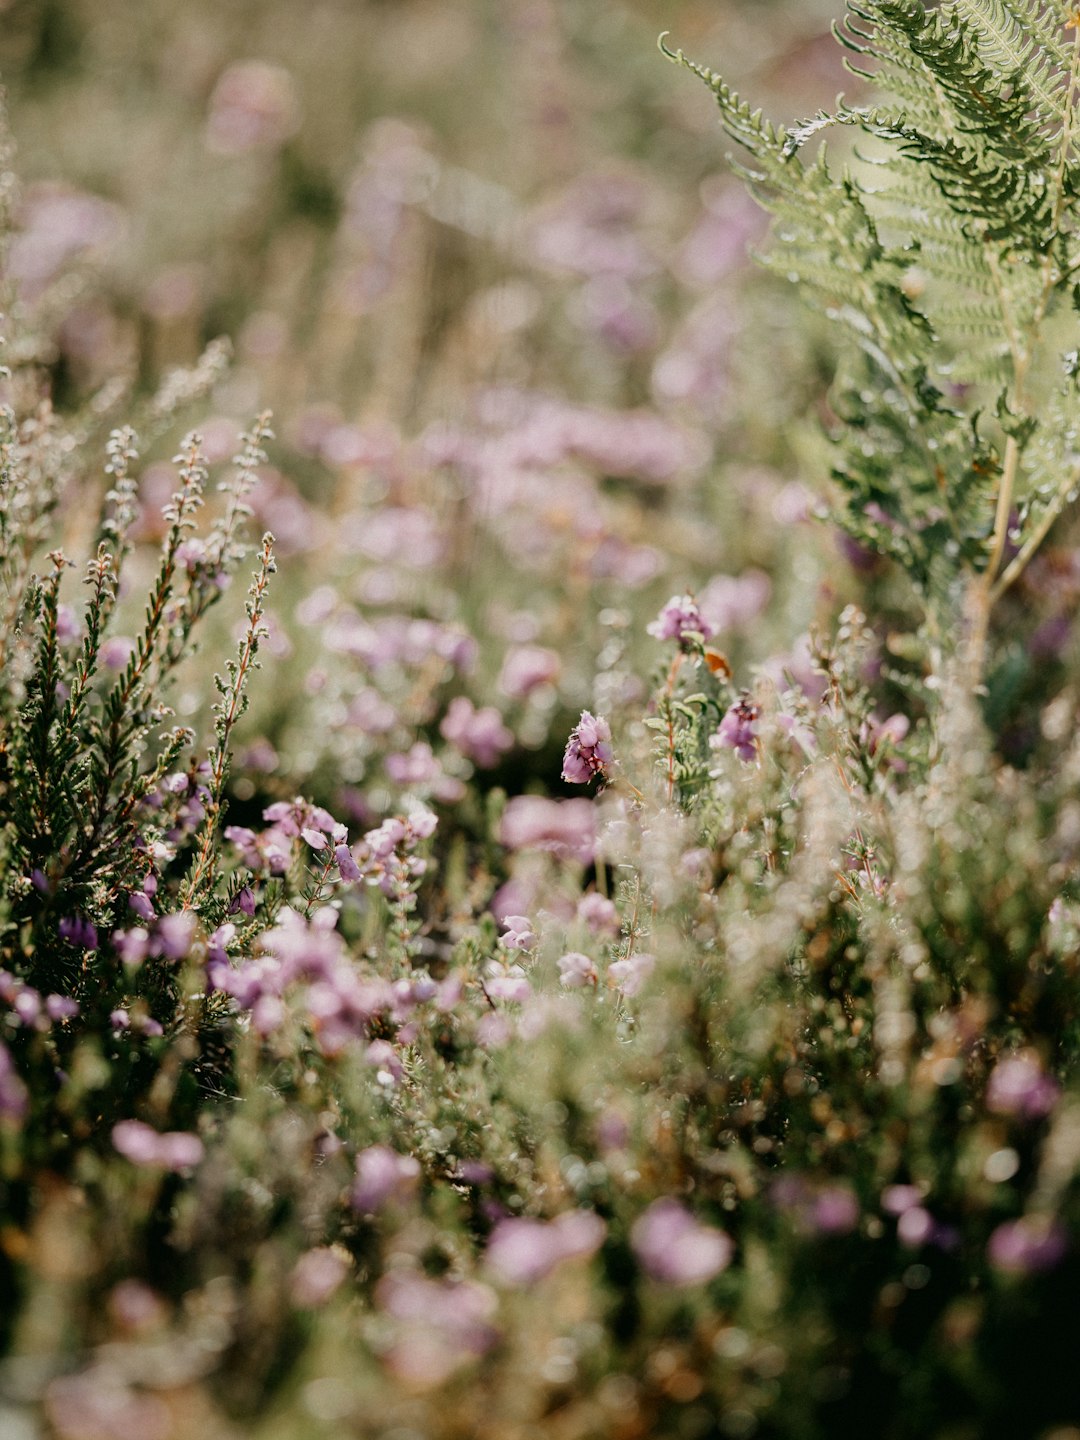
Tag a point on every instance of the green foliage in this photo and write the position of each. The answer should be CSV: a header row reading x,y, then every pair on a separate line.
x,y
947,254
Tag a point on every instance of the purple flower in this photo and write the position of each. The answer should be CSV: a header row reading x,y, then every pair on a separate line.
x,y
61,1007
915,1226
142,1145
116,652
439,1325
567,828
68,627
346,863
316,1275
254,106
13,1094
418,766
27,1005
599,914
385,1061
628,976
78,931
676,1249
523,1251
478,734
588,750
243,901
836,1210
895,1199
681,620
525,668
576,971
383,1176
132,945
519,933
738,729
1019,1086
1027,1246
174,935
140,903
507,984
731,602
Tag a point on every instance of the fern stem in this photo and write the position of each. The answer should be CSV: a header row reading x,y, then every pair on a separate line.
x,y
993,584
1004,507
1018,564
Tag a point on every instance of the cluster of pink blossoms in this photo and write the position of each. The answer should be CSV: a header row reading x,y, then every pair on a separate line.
x,y
681,619
588,750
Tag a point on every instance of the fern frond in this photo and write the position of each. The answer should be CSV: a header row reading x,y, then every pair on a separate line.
x,y
1023,37
944,257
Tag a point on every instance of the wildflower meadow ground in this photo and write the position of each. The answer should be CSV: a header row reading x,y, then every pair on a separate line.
x,y
539,779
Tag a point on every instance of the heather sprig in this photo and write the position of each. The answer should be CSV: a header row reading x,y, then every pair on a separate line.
x,y
227,711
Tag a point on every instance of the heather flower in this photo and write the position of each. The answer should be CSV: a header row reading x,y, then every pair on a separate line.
x,y
27,1005
132,945
383,1177
13,1094
835,1210
507,982
588,750
417,766
385,1061
676,1249
68,624
116,651
732,602
519,932
441,1325
57,224
78,931
1019,1086
61,1007
629,975
139,901
567,828
243,902
136,1307
576,970
599,914
346,863
896,1199
681,620
317,1275
254,107
915,1226
738,729
1027,1246
173,935
100,1402
422,823
142,1145
524,1251
526,668
889,732
480,735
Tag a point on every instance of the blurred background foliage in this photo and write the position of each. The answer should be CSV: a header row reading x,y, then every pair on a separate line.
x,y
488,266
